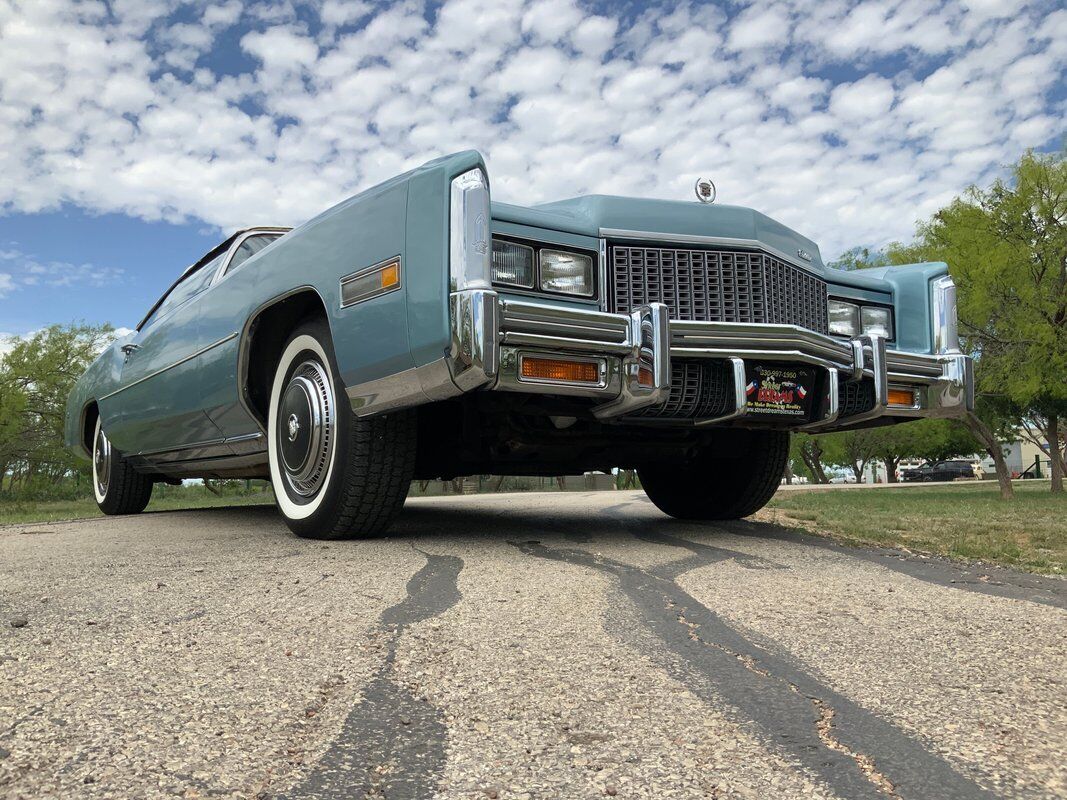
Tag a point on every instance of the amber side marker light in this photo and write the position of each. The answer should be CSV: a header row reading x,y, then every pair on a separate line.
x,y
552,369
390,276
901,397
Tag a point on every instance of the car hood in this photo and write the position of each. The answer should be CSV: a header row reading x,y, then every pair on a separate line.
x,y
597,215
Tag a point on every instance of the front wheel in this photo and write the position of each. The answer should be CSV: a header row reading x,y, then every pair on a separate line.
x,y
713,487
117,486
335,476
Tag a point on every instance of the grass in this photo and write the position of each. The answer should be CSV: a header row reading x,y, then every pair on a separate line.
x,y
171,498
968,521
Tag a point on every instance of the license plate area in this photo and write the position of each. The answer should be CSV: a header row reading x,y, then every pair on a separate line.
x,y
779,391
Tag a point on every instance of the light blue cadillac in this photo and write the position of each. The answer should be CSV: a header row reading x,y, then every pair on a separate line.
x,y
418,330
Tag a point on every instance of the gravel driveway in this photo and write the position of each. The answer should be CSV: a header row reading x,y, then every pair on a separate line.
x,y
517,646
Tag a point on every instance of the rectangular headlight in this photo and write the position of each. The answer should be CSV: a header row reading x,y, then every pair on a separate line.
x,y
513,264
876,322
844,318
567,273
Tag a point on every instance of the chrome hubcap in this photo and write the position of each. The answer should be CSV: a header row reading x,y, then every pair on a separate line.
x,y
306,420
102,462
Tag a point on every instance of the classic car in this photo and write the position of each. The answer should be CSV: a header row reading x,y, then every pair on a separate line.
x,y
419,330
950,470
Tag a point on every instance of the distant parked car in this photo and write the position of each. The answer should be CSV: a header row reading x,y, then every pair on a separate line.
x,y
943,471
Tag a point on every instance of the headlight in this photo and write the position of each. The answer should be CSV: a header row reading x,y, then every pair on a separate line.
x,y
513,264
875,321
853,319
567,273
844,318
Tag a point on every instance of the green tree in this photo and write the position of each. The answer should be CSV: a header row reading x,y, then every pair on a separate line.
x,y
860,258
1007,250
853,450
36,377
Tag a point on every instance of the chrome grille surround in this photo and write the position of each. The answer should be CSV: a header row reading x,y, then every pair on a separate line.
x,y
717,286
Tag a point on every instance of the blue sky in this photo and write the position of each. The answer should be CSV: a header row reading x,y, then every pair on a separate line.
x,y
135,134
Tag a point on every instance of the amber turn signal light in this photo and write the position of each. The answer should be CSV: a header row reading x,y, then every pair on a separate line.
x,y
645,377
902,397
552,369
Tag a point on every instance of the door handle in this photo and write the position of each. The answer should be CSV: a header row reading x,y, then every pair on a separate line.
x,y
129,349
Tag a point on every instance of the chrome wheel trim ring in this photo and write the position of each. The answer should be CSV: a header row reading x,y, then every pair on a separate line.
x,y
101,462
309,383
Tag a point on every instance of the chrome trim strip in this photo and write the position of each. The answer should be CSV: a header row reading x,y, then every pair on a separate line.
x,y
245,437
602,270
195,445
381,266
724,241
178,363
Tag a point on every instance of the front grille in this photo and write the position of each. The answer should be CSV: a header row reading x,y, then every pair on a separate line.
x,y
699,390
717,286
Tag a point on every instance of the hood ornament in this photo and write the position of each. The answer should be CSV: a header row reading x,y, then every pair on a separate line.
x,y
705,190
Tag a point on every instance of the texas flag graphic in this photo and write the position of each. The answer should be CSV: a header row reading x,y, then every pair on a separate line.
x,y
751,388
802,392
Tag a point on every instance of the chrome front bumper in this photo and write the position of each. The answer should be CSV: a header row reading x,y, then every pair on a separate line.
x,y
491,335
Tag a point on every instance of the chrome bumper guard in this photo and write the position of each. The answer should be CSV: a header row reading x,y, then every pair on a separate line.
x,y
633,352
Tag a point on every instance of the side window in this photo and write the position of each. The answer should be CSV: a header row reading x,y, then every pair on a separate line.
x,y
191,286
249,247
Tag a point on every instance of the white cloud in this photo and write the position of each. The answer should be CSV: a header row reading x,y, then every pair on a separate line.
x,y
868,98
760,26
119,112
22,269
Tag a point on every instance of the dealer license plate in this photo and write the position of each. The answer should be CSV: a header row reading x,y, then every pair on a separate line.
x,y
779,391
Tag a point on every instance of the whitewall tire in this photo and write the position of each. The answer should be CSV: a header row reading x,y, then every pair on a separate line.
x,y
117,487
334,475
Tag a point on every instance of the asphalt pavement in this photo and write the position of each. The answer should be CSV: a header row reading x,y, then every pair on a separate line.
x,y
577,645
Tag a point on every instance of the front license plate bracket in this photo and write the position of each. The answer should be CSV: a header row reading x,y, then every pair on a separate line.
x,y
777,391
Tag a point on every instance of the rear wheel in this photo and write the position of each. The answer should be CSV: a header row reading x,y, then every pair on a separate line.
x,y
335,475
117,486
711,487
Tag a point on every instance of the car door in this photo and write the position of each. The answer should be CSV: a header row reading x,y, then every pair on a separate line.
x,y
157,406
225,307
